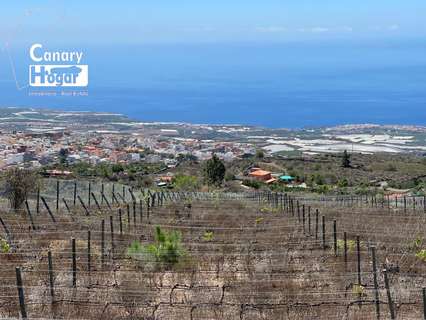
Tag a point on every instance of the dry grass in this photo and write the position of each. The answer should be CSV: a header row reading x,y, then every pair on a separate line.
x,y
258,265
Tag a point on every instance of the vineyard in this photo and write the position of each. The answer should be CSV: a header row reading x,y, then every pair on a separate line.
x,y
247,256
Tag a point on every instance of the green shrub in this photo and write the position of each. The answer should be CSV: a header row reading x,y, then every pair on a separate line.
x,y
268,210
343,183
252,184
421,255
187,183
166,250
358,290
4,246
351,244
417,243
208,236
214,171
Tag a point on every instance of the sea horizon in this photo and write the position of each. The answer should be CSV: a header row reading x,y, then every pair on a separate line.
x,y
273,85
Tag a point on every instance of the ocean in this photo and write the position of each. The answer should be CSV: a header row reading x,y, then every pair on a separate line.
x,y
293,85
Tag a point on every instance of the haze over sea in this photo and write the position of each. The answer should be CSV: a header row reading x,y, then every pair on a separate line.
x,y
293,84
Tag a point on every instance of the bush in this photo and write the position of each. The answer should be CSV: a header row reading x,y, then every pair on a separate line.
x,y
350,244
117,168
208,236
421,255
346,160
214,171
358,290
145,182
343,183
187,183
167,249
4,246
260,154
252,184
19,183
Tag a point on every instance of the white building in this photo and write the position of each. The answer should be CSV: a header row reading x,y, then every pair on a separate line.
x,y
15,158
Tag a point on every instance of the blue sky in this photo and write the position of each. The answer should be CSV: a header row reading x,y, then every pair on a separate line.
x,y
111,22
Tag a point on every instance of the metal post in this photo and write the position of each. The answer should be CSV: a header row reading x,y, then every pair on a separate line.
x,y
335,237
390,302
50,269
376,286
20,293
74,264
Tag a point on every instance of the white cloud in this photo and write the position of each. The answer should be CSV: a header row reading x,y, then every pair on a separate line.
x,y
393,27
314,30
271,29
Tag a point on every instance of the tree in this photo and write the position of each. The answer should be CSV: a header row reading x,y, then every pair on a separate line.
x,y
346,160
167,250
63,155
214,171
18,184
117,168
260,154
343,183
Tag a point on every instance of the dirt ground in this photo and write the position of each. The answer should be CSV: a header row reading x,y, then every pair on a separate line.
x,y
265,259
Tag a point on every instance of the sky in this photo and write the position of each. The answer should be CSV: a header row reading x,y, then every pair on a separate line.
x,y
194,21
228,61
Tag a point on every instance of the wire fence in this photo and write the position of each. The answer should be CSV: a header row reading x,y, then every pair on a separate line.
x,y
270,255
